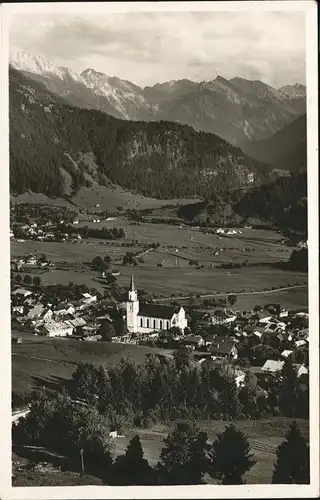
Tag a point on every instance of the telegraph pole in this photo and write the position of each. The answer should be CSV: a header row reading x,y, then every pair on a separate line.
x,y
82,462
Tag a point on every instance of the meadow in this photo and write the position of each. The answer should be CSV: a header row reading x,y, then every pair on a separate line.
x,y
41,361
167,271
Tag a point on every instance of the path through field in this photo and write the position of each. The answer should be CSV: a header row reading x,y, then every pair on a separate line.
x,y
259,292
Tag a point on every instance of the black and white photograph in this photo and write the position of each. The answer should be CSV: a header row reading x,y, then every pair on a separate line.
x,y
159,196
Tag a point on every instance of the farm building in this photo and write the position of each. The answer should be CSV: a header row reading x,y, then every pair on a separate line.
x,y
147,318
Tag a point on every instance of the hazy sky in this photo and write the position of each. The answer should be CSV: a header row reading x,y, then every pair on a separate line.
x,y
147,48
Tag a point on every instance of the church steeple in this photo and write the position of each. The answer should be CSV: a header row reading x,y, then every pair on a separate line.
x,y
132,287
132,307
133,295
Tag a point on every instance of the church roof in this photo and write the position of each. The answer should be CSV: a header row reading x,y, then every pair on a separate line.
x,y
157,311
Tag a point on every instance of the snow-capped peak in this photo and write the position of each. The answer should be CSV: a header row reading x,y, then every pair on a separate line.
x,y
93,77
38,64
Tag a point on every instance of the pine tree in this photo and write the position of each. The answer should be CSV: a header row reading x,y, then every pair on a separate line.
x,y
293,461
132,468
289,390
183,458
36,281
27,280
182,357
230,456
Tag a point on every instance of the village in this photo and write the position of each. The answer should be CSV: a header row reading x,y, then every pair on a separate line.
x,y
258,340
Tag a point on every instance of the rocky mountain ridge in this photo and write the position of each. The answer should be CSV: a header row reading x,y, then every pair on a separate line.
x,y
236,109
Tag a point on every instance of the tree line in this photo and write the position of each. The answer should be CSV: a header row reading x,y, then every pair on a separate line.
x,y
164,389
87,232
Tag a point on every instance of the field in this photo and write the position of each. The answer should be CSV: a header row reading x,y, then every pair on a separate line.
x,y
167,271
46,362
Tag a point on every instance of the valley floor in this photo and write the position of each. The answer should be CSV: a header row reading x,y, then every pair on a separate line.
x,y
166,270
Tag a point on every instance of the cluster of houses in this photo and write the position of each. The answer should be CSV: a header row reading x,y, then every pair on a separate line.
x,y
28,310
220,334
222,230
41,232
30,262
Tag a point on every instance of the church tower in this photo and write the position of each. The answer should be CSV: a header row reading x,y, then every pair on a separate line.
x,y
132,308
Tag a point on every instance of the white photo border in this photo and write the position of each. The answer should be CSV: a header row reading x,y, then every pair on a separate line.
x,y
7,492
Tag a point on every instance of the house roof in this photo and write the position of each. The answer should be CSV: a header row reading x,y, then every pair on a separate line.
x,y
271,326
272,365
55,325
300,343
157,311
193,339
286,353
36,311
224,314
77,322
220,345
22,291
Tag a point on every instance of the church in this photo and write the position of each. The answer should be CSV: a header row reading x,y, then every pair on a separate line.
x,y
149,318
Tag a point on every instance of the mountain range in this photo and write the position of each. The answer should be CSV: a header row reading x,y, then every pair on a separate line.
x,y
237,109
55,148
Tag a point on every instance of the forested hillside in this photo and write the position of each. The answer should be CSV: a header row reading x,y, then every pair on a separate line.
x,y
282,202
49,139
285,150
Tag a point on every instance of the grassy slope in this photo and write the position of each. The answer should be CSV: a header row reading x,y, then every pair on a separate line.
x,y
108,198
47,362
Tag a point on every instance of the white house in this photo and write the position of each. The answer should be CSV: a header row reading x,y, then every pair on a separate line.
x,y
147,318
56,329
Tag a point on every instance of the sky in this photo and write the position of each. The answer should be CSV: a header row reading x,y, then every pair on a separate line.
x,y
150,47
